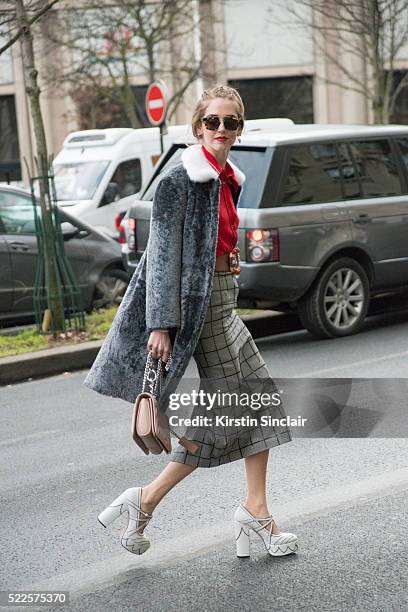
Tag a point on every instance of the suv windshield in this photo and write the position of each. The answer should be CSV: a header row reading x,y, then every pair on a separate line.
x,y
78,181
172,161
252,161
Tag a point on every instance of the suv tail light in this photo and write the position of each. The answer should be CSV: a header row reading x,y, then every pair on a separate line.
x,y
118,224
132,224
262,245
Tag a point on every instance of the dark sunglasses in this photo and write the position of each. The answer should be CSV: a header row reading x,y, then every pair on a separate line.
x,y
213,122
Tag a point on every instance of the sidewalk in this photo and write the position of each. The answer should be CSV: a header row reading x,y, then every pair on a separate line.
x,y
48,362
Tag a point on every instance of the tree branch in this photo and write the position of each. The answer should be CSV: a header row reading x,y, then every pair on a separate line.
x,y
29,23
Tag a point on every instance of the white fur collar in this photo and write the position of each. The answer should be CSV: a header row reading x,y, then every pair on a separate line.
x,y
198,168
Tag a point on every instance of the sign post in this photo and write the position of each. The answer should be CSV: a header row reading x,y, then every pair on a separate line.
x,y
156,107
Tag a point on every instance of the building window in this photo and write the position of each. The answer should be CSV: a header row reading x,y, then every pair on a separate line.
x,y
6,63
290,97
10,167
400,114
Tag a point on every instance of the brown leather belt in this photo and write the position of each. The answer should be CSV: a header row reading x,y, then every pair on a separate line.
x,y
229,262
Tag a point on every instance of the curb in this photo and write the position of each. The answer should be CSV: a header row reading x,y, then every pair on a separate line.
x,y
48,362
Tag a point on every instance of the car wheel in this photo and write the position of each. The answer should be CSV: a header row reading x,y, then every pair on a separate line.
x,y
110,288
337,303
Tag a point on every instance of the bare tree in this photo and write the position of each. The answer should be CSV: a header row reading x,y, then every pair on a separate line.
x,y
373,32
20,22
9,29
113,44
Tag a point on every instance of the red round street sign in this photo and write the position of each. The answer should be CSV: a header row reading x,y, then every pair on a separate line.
x,y
156,103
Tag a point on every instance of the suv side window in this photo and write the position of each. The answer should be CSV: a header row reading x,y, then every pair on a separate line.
x,y
376,168
128,177
351,183
313,175
403,146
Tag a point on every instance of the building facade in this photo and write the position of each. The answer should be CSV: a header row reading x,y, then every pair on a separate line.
x,y
274,64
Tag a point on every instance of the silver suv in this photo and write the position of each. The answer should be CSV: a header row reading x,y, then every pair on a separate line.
x,y
323,220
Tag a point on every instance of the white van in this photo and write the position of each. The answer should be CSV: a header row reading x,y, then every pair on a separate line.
x,y
97,168
99,173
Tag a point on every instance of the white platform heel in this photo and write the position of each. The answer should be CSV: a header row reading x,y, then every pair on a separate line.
x,y
276,545
242,540
133,538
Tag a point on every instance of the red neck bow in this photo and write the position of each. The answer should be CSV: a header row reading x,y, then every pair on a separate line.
x,y
226,175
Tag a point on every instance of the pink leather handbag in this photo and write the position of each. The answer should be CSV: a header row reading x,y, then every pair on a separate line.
x,y
150,426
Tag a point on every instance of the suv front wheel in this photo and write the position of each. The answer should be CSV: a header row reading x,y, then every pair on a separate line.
x,y
337,303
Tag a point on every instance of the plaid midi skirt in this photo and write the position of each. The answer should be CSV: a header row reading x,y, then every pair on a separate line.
x,y
226,353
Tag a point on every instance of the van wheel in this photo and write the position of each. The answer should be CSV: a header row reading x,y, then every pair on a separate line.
x,y
337,303
110,288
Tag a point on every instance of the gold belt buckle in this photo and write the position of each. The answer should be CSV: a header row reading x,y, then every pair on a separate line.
x,y
233,261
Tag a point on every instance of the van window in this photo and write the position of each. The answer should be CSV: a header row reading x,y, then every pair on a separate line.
x,y
313,175
78,180
128,177
376,167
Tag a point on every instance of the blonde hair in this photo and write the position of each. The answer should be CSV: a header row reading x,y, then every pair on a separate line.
x,y
219,91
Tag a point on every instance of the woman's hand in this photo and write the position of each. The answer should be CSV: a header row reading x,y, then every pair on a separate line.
x,y
159,344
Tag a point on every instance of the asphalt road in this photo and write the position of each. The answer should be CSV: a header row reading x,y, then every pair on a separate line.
x,y
380,350
66,453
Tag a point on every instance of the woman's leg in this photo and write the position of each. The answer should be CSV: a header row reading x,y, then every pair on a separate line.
x,y
154,492
255,501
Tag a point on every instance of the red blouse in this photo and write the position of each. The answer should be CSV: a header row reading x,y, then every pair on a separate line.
x,y
228,219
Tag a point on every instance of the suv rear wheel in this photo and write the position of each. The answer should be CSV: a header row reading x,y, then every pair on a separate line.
x,y
337,303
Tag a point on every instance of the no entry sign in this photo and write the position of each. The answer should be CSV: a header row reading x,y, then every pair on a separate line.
x,y
156,103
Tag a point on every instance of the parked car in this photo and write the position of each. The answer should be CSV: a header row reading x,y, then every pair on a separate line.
x,y
323,220
95,258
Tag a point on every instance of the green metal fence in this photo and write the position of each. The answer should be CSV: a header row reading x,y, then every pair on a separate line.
x,y
67,291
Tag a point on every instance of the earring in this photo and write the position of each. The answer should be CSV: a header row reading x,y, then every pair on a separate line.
x,y
239,138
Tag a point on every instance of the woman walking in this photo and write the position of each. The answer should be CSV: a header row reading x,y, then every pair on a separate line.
x,y
181,301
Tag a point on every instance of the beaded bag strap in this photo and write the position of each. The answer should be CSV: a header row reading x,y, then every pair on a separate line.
x,y
153,374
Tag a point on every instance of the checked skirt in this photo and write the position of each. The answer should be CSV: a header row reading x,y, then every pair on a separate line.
x,y
227,355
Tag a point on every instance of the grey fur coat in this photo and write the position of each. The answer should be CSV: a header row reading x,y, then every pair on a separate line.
x,y
171,286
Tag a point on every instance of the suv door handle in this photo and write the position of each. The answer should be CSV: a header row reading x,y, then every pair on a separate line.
x,y
18,246
363,218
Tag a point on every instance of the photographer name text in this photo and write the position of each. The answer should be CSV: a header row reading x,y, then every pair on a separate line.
x,y
244,421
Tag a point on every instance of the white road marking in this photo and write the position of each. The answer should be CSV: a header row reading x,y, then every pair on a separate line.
x,y
33,436
353,364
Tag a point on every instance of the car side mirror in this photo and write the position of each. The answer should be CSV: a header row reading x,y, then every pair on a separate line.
x,y
111,194
69,231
